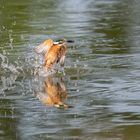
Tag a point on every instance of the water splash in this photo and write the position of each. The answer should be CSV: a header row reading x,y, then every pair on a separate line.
x,y
6,66
7,82
10,39
9,74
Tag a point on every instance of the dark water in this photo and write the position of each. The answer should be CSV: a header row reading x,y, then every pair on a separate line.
x,y
102,80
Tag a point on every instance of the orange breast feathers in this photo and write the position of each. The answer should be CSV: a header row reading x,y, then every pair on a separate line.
x,y
54,52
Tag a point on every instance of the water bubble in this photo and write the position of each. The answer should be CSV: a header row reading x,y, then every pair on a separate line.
x,y
85,65
3,52
3,27
75,65
77,90
11,40
22,37
77,60
14,23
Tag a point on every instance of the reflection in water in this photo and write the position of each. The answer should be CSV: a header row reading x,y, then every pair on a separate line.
x,y
54,92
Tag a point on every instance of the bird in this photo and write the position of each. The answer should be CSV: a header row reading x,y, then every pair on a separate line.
x,y
53,52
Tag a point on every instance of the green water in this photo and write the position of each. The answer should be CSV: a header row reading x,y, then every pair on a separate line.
x,y
102,78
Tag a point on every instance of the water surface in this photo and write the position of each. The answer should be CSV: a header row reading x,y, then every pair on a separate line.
x,y
101,82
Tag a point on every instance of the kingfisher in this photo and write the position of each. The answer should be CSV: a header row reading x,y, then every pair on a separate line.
x,y
53,52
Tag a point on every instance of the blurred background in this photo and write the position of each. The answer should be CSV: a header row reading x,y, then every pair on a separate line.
x,y
102,80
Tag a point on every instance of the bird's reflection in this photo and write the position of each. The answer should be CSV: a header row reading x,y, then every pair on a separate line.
x,y
54,93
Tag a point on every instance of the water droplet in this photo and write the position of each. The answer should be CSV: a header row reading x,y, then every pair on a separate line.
x,y
14,23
